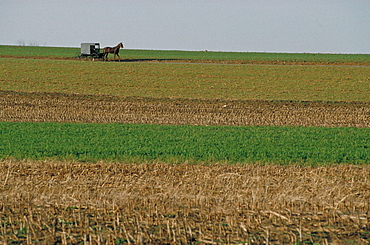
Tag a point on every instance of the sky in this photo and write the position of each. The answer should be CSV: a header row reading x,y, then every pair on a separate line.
x,y
289,26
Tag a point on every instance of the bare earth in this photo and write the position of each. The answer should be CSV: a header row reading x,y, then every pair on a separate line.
x,y
54,107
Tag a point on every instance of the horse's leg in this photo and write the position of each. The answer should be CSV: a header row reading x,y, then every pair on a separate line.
x,y
119,57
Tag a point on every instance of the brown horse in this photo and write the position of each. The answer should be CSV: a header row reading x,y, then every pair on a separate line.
x,y
114,50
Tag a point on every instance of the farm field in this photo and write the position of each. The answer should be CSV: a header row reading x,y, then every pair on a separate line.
x,y
190,81
51,202
78,108
161,114
178,144
129,55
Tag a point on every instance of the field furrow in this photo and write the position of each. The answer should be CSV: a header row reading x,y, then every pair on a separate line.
x,y
56,107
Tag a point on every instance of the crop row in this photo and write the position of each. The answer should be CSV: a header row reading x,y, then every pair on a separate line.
x,y
176,144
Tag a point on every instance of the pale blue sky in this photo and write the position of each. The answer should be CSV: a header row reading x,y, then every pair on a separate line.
x,y
314,26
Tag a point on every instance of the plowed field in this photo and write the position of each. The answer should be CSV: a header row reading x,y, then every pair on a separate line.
x,y
54,107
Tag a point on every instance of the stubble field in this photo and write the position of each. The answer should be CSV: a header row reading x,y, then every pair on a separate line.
x,y
50,202
79,108
72,202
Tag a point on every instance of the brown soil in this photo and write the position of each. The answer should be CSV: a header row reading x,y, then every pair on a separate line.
x,y
54,107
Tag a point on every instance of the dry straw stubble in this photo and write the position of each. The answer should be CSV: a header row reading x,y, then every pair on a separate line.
x,y
54,107
158,203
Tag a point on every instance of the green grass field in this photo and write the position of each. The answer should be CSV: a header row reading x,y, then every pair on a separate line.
x,y
178,144
197,56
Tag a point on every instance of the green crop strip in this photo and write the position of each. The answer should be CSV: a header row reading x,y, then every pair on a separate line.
x,y
177,144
